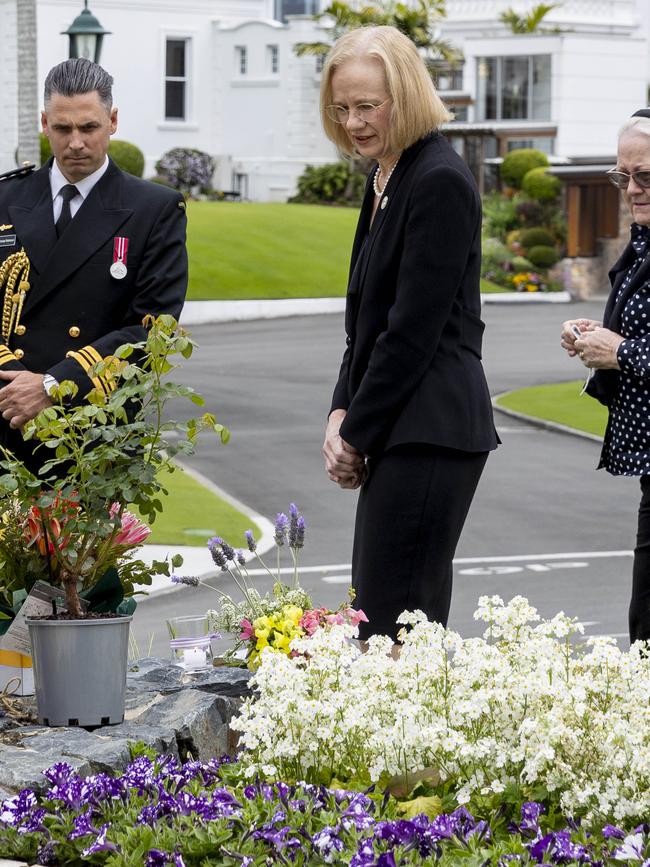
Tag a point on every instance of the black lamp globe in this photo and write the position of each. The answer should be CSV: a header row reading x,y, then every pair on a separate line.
x,y
86,35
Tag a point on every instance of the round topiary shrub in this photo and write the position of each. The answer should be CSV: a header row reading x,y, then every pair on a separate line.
x,y
536,237
541,186
127,156
542,257
529,213
518,163
520,263
185,168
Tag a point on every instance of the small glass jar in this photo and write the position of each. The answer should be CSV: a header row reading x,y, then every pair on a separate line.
x,y
191,642
192,654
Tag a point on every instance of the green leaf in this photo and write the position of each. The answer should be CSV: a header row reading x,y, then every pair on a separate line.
x,y
107,594
430,806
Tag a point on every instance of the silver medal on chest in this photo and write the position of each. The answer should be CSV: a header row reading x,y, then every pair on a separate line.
x,y
118,270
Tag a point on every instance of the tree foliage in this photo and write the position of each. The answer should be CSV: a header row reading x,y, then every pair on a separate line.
x,y
418,21
529,22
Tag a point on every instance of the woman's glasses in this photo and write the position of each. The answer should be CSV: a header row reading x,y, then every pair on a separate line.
x,y
365,111
622,179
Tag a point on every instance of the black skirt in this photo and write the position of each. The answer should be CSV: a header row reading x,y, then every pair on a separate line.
x,y
410,515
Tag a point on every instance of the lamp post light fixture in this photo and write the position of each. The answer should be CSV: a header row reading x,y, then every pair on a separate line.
x,y
86,35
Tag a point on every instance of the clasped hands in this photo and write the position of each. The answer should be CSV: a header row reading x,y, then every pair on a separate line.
x,y
23,397
343,463
596,347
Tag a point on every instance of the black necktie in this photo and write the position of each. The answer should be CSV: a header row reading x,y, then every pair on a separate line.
x,y
67,193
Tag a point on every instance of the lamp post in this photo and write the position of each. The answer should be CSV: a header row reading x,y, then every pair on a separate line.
x,y
86,35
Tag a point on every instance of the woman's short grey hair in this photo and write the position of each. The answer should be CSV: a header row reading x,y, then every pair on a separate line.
x,y
79,75
635,124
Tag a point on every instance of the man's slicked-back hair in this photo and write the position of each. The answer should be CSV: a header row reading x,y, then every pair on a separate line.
x,y
79,75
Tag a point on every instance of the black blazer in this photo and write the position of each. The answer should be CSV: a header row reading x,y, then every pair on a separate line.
x,y
75,312
604,384
412,369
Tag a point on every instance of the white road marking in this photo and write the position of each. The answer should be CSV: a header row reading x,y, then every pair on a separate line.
x,y
337,579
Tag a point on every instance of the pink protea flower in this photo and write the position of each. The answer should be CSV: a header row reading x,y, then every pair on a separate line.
x,y
247,630
133,532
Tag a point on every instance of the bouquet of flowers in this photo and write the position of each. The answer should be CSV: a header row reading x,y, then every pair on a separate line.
x,y
273,620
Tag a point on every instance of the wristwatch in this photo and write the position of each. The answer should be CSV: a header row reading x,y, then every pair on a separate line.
x,y
49,383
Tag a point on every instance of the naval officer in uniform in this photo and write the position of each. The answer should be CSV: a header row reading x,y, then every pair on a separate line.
x,y
86,251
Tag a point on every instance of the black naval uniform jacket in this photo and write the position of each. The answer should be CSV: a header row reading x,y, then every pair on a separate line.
x,y
412,369
75,313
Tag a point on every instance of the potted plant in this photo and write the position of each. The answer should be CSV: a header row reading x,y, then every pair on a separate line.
x,y
69,525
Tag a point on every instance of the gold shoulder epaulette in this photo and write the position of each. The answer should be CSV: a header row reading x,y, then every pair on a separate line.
x,y
19,172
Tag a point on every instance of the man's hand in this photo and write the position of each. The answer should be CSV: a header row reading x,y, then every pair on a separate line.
x,y
343,463
23,397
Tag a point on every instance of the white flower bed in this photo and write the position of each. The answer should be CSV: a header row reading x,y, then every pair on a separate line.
x,y
526,705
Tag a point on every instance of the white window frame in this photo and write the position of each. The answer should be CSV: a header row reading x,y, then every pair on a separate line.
x,y
241,60
187,79
273,58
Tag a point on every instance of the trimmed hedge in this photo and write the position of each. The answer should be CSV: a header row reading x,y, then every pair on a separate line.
x,y
542,257
127,156
541,186
518,163
536,237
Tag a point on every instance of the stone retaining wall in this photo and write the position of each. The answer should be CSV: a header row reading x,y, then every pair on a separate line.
x,y
167,709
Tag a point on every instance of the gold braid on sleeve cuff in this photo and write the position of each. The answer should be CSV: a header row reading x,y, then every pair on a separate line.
x,y
6,355
88,357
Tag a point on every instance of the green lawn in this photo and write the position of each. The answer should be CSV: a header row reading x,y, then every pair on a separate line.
x,y
192,514
249,250
488,286
560,402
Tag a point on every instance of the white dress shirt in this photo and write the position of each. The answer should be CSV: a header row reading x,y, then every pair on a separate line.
x,y
84,186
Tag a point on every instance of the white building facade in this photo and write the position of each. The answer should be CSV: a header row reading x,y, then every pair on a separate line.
x,y
222,76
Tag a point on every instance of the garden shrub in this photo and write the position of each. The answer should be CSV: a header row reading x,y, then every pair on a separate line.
x,y
520,263
499,215
529,213
186,169
542,256
513,238
536,237
334,183
127,156
518,163
541,186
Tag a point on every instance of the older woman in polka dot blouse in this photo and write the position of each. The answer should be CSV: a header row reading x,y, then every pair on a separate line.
x,y
618,352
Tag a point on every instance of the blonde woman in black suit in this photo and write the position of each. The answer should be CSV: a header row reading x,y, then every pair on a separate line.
x,y
411,420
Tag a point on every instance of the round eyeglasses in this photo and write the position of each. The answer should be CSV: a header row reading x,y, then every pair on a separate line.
x,y
365,111
622,179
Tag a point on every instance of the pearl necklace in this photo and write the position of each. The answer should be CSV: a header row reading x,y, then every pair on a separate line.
x,y
375,180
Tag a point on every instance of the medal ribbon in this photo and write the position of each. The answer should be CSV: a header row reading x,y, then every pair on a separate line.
x,y
120,248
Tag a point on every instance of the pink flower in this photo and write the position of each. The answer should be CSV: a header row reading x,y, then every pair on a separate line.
x,y
133,531
356,617
247,630
311,620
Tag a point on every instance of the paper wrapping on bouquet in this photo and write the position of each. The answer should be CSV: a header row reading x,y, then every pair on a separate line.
x,y
16,673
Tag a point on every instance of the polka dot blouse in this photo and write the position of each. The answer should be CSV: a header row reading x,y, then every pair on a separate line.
x,y
626,449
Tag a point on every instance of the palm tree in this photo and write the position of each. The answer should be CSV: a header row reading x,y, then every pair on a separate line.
x,y
529,22
28,142
418,22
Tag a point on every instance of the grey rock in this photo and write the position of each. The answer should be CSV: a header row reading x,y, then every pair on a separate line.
x,y
155,673
22,768
199,719
103,754
224,680
160,738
